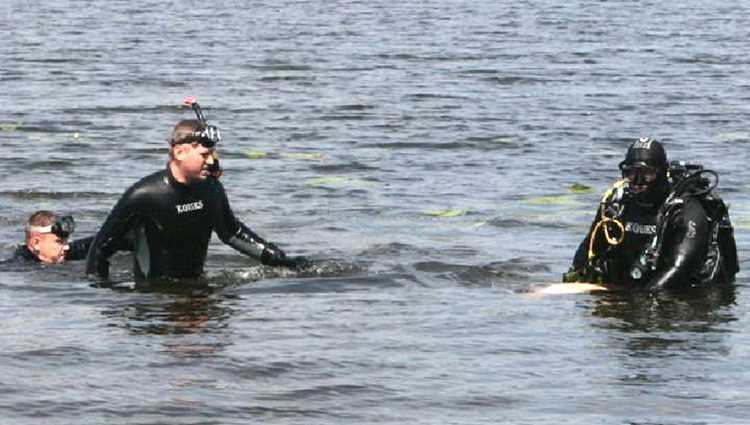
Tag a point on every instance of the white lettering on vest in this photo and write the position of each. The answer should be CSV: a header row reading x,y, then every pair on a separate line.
x,y
193,206
640,229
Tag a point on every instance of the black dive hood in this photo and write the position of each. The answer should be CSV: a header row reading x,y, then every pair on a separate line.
x,y
647,152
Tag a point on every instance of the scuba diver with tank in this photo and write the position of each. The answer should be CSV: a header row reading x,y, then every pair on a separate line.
x,y
170,215
661,226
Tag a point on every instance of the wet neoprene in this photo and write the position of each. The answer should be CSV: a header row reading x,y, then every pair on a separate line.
x,y
683,251
170,224
77,251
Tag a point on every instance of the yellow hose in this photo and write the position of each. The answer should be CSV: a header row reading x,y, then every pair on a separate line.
x,y
604,220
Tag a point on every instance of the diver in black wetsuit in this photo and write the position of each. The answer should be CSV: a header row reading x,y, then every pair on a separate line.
x,y
47,241
170,215
655,233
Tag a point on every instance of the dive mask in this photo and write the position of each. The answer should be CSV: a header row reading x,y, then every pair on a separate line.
x,y
62,227
209,135
640,174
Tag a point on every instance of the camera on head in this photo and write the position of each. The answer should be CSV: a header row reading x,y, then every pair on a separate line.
x,y
62,227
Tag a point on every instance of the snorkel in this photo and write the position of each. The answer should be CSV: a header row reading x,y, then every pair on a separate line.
x,y
208,135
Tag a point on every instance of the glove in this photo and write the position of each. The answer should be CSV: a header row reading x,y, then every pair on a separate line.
x,y
275,257
585,275
298,262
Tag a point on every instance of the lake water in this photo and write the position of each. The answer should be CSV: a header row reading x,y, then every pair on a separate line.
x,y
423,154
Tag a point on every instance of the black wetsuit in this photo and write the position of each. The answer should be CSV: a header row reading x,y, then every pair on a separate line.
x,y
77,251
170,224
689,249
639,222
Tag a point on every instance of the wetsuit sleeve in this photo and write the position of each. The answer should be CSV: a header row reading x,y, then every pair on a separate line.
x,y
79,248
112,235
688,237
581,256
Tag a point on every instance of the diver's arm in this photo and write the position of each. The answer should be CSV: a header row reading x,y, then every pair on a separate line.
x,y
235,234
582,253
247,242
79,248
689,234
111,236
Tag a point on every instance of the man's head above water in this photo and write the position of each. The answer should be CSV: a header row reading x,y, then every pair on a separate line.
x,y
47,236
645,167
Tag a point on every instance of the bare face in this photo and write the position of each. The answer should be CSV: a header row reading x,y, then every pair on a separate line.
x,y
48,247
193,161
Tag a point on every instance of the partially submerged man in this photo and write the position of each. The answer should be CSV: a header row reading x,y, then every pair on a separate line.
x,y
47,240
170,214
662,226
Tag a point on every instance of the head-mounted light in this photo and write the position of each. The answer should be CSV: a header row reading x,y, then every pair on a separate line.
x,y
62,227
208,137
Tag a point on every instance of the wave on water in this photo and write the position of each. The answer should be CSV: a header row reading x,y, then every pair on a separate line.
x,y
51,164
352,166
481,143
58,127
499,273
129,109
35,194
513,80
420,145
326,268
336,284
282,78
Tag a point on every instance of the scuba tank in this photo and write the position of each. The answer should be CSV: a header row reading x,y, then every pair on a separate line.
x,y
693,181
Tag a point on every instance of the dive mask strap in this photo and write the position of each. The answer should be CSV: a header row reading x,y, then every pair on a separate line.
x,y
62,227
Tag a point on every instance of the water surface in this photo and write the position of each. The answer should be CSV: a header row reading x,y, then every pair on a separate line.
x,y
423,153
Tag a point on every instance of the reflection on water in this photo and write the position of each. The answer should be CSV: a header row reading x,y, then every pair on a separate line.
x,y
202,314
696,310
667,340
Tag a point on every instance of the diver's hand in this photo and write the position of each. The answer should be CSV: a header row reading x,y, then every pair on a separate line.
x,y
274,256
102,269
572,275
298,262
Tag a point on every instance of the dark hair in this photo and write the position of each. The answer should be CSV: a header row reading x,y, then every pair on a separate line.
x,y
184,131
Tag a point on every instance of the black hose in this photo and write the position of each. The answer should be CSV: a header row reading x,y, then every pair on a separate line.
x,y
692,181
